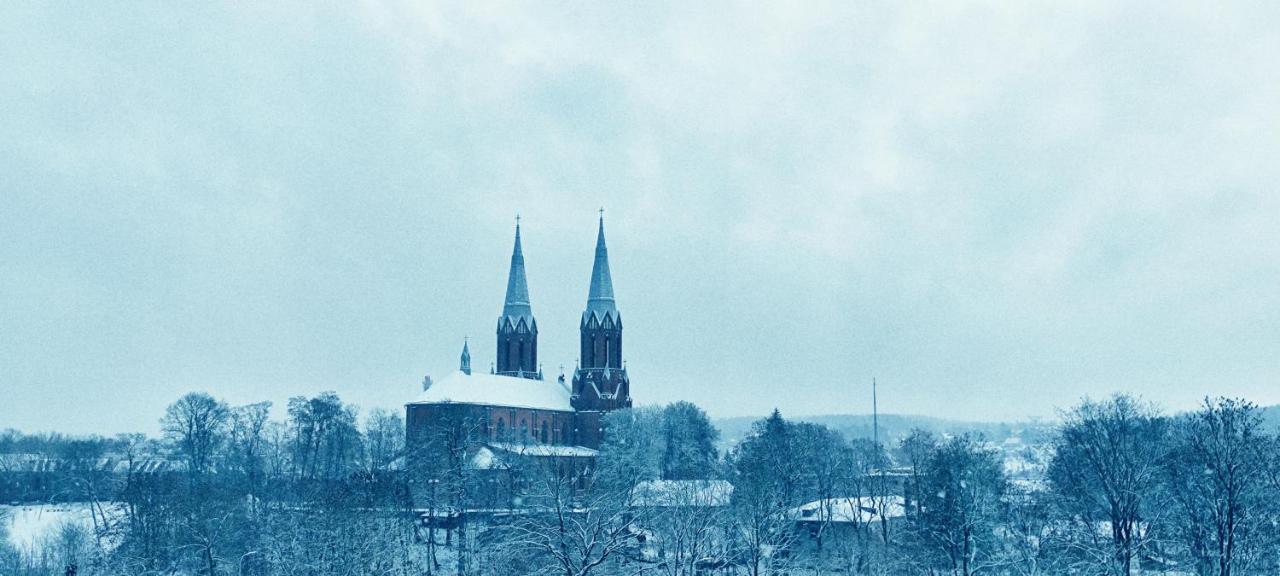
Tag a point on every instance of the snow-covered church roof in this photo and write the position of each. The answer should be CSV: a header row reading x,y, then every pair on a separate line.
x,y
494,390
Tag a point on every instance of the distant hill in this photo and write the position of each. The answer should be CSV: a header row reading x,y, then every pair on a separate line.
x,y
894,427
1271,417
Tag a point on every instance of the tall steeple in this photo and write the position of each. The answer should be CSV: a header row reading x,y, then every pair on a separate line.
x,y
517,302
465,364
600,297
601,382
517,330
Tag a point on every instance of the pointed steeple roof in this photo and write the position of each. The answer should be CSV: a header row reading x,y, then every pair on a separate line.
x,y
517,302
465,364
600,298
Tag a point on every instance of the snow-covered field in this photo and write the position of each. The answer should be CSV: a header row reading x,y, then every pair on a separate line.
x,y
31,526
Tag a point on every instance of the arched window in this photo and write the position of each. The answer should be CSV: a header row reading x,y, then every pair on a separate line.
x,y
545,436
524,430
501,431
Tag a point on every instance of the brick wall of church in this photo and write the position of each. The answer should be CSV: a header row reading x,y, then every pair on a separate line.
x,y
507,424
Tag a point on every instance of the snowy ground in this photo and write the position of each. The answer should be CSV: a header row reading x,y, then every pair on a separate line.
x,y
31,526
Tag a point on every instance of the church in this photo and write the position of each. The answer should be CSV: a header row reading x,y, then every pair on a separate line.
x,y
512,408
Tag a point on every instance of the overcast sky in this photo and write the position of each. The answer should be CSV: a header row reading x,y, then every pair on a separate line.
x,y
992,208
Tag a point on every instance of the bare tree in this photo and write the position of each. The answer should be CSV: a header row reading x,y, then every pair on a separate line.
x,y
963,498
10,559
446,483
768,483
248,442
384,434
915,450
1031,533
569,531
325,436
196,424
688,521
1215,474
1106,471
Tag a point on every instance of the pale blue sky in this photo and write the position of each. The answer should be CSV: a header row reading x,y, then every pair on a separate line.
x,y
992,208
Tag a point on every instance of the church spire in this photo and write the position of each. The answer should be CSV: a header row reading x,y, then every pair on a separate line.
x,y
465,365
517,302
517,330
600,383
600,297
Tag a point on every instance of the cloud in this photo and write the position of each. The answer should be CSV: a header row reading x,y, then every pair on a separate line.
x,y
1024,201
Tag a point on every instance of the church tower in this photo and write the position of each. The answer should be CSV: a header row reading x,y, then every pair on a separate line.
x,y
601,383
517,330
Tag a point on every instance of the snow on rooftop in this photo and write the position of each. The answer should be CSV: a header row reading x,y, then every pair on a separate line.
x,y
682,493
491,455
112,463
851,509
534,449
494,390
485,459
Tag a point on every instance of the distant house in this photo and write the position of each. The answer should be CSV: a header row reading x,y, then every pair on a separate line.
x,y
35,477
692,504
682,493
497,472
890,480
839,517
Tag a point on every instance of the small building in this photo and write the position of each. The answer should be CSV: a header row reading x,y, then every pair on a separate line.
x,y
840,517
682,494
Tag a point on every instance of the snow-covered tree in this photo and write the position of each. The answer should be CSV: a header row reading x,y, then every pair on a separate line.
x,y
1106,474
247,442
689,443
196,426
568,530
384,440
962,502
767,485
632,448
326,440
1215,474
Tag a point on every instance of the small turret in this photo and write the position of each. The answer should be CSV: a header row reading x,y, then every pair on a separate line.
x,y
465,364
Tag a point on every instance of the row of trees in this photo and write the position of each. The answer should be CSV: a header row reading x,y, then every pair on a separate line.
x,y
1199,491
228,490
1124,489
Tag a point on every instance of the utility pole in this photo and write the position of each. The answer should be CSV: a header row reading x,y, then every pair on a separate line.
x,y
875,415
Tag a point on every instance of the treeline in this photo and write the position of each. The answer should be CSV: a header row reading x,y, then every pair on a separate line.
x,y
227,490
54,445
1125,490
